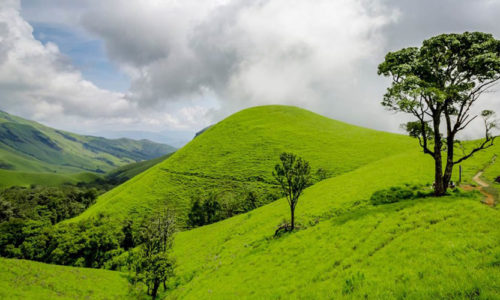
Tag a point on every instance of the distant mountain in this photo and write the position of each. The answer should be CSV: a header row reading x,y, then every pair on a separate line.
x,y
27,146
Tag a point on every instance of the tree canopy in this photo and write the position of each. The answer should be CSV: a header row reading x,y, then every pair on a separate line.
x,y
438,84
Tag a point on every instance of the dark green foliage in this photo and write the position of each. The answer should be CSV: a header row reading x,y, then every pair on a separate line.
x,y
251,201
211,208
53,204
88,243
128,235
214,207
6,210
26,227
204,212
439,83
321,174
196,217
293,176
153,264
6,166
391,195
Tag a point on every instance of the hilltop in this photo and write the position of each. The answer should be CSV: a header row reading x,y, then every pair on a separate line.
x,y
33,153
239,153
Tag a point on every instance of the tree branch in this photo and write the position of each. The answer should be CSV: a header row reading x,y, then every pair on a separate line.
x,y
484,145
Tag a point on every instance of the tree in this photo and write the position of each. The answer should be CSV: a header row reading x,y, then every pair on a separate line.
x,y
251,201
154,265
438,84
293,176
204,213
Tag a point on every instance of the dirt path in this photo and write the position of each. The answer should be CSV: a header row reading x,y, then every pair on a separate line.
x,y
489,198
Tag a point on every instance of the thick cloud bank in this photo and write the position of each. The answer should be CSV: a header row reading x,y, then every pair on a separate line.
x,y
244,53
193,62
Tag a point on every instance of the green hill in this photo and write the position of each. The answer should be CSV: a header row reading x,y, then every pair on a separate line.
x,y
239,154
346,248
122,174
31,148
430,248
21,279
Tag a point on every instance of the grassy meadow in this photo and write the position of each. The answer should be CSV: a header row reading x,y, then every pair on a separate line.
x,y
345,248
239,154
21,279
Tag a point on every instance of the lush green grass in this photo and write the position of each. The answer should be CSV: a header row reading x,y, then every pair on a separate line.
x,y
20,279
119,175
15,178
429,248
240,152
129,171
27,146
346,248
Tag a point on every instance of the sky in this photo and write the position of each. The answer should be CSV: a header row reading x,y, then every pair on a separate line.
x,y
165,69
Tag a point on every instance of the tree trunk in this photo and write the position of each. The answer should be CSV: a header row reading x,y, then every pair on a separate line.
x,y
439,188
449,162
292,210
156,285
164,285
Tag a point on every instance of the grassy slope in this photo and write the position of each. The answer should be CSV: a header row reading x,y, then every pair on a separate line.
x,y
129,171
29,148
424,249
420,249
240,152
16,178
20,279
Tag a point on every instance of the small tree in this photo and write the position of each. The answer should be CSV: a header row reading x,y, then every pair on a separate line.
x,y
438,84
204,212
154,265
293,175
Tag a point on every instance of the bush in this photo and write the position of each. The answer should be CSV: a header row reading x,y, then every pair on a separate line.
x,y
392,195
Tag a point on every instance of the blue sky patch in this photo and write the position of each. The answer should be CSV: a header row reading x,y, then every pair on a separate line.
x,y
87,54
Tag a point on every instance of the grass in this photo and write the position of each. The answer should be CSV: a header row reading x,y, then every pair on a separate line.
x,y
27,146
16,178
430,248
240,152
129,171
346,248
20,279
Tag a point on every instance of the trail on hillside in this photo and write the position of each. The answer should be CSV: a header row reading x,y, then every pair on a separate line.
x,y
490,199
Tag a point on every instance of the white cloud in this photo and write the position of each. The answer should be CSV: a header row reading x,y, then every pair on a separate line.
x,y
193,62
39,77
39,82
244,52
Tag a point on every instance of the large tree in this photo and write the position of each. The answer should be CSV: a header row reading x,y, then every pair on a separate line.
x,y
438,84
293,175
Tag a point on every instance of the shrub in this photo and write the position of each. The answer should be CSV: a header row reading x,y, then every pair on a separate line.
x,y
391,195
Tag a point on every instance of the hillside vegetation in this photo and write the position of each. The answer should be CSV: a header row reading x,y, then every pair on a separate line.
x,y
428,248
345,247
238,154
31,148
22,279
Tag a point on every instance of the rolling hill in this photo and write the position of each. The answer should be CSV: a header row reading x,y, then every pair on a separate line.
x,y
28,148
346,248
239,153
429,248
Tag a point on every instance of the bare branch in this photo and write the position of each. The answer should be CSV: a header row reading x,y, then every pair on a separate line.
x,y
484,145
